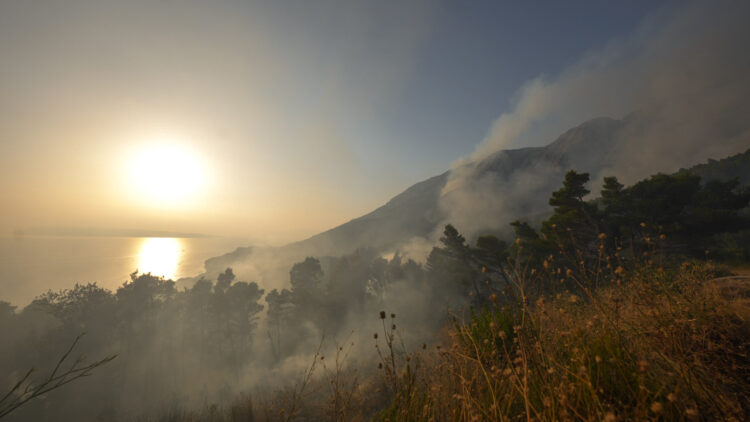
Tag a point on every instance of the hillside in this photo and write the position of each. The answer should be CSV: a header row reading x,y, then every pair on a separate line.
x,y
482,196
417,211
728,168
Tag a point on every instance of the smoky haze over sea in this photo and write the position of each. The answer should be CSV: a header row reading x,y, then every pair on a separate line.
x,y
670,95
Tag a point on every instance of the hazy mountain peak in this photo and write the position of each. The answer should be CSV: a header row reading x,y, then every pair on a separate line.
x,y
480,196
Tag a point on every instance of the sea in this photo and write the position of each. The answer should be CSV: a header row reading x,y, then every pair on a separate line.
x,y
33,265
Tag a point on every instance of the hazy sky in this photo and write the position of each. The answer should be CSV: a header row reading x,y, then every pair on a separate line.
x,y
287,117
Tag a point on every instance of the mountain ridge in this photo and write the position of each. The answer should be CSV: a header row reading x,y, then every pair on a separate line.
x,y
478,196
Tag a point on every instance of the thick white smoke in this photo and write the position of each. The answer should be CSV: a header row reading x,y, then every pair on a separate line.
x,y
680,83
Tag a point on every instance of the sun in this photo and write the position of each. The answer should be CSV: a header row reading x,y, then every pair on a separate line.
x,y
166,173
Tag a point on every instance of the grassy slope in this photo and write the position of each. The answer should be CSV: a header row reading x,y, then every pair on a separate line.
x,y
658,345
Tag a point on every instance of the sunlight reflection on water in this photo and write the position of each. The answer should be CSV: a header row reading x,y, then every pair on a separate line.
x,y
159,256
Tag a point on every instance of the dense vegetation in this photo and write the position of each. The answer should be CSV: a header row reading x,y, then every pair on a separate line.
x,y
611,309
735,166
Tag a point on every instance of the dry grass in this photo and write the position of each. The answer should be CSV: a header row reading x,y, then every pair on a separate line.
x,y
658,346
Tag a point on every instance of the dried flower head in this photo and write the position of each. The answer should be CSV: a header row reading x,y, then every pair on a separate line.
x,y
657,407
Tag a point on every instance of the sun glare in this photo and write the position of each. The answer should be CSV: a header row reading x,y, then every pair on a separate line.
x,y
159,256
166,174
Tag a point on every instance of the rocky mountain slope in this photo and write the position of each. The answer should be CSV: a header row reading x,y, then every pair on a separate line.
x,y
423,208
480,196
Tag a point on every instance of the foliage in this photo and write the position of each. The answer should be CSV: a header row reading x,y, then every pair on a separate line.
x,y
25,389
157,330
450,267
736,166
